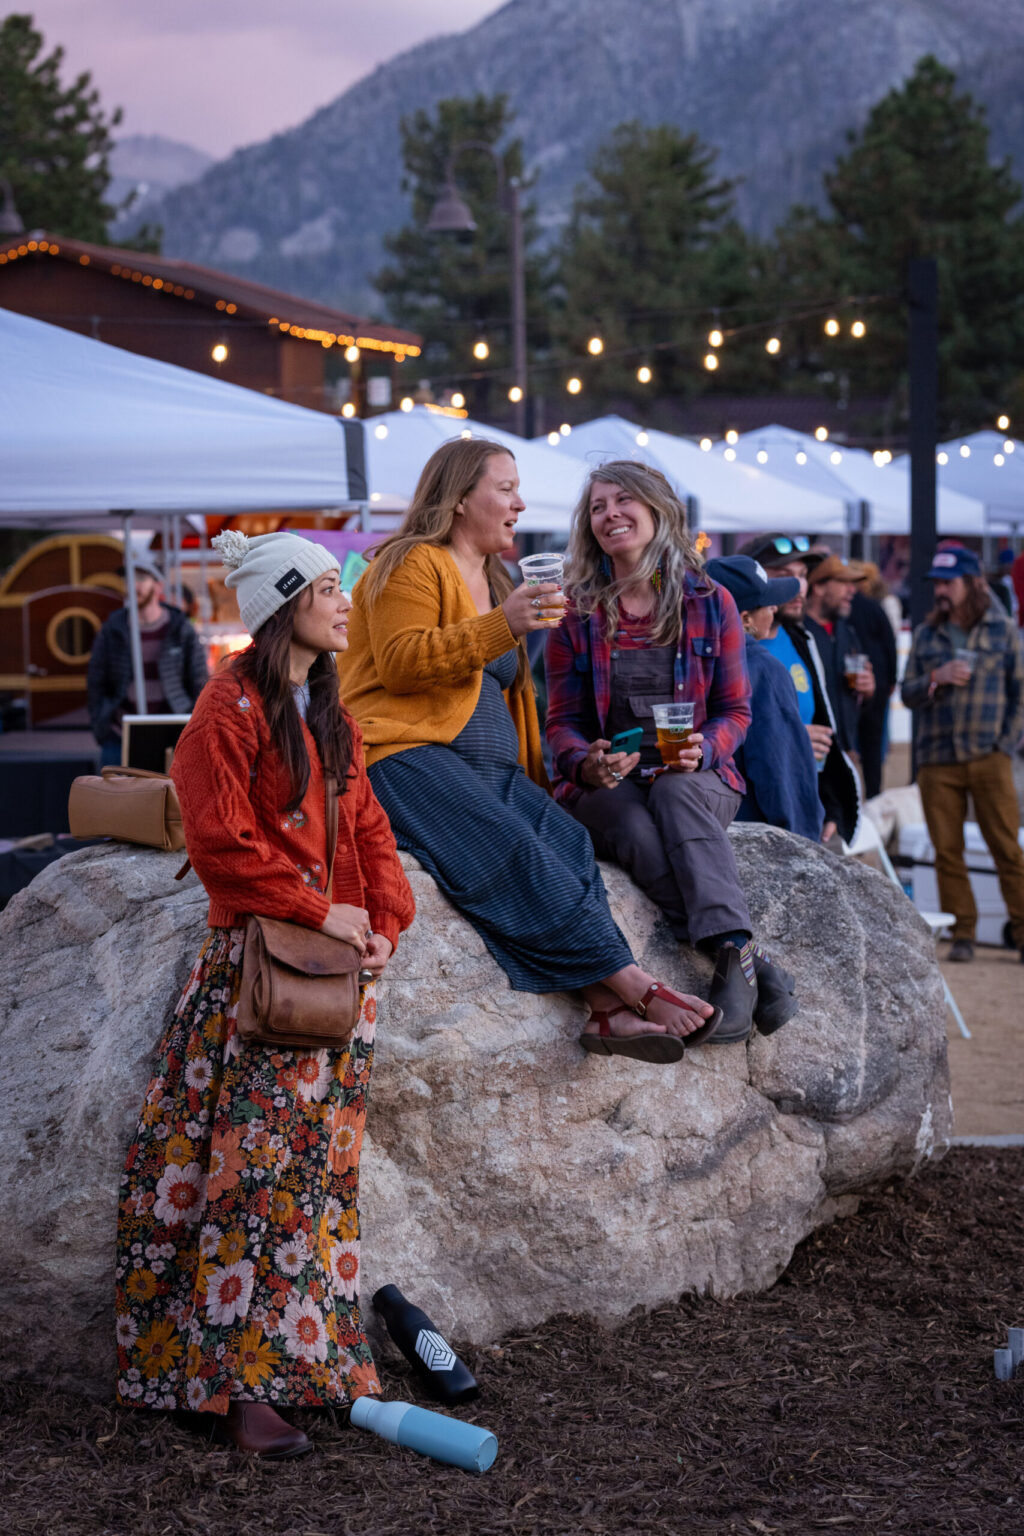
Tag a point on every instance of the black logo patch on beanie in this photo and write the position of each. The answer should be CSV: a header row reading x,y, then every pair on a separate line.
x,y
290,582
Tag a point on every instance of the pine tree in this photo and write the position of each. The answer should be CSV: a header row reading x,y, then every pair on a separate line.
x,y
54,139
455,290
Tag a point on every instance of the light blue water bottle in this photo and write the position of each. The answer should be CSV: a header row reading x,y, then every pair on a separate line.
x,y
432,1434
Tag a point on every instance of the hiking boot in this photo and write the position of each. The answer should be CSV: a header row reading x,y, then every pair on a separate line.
x,y
776,1003
961,950
735,995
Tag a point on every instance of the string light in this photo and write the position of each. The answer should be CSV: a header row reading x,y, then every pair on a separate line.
x,y
831,326
821,433
348,410
858,329
574,385
762,457
380,431
715,338
644,374
710,362
554,438
565,429
1003,423
882,456
515,394
219,352
706,444
801,457
773,345
998,460
465,434
595,346
642,439
942,458
352,354
481,350
965,451
406,403
730,454
1009,446
732,436
458,400
835,457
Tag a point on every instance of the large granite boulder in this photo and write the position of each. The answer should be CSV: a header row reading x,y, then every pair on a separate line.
x,y
507,1175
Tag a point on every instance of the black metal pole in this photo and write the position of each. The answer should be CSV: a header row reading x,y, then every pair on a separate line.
x,y
923,308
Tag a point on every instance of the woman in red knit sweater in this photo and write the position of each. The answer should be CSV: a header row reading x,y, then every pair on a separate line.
x,y
238,1227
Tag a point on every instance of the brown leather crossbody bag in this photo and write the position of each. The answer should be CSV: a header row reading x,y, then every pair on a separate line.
x,y
300,988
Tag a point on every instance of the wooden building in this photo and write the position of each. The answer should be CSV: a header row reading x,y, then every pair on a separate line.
x,y
205,320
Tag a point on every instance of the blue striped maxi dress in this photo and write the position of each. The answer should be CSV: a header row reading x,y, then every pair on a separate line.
x,y
512,861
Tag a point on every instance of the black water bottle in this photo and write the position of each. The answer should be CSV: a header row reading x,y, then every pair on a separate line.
x,y
448,1379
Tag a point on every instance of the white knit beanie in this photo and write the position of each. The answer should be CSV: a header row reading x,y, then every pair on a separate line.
x,y
269,569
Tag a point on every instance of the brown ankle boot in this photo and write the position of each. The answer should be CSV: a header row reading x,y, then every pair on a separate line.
x,y
258,1428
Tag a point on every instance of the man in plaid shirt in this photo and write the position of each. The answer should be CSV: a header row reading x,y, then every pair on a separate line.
x,y
965,683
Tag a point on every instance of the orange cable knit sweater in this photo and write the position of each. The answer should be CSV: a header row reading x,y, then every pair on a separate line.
x,y
254,857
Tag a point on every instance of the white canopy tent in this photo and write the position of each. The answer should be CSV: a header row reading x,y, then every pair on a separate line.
x,y
399,443
989,466
731,497
876,496
89,432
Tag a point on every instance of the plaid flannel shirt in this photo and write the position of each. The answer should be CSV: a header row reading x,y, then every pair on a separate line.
x,y
711,672
957,725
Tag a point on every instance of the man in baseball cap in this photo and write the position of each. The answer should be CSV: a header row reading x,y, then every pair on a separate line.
x,y
965,683
849,677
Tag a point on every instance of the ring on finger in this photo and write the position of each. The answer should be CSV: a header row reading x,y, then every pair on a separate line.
x,y
616,776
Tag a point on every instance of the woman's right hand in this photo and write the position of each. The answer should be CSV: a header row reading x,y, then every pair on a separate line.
x,y
602,772
348,923
528,608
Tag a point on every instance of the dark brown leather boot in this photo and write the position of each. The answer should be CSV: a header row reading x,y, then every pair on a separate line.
x,y
258,1428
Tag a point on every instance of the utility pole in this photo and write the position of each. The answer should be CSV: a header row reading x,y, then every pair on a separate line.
x,y
923,306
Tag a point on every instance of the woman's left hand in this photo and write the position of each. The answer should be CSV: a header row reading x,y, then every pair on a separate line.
x,y
691,757
378,952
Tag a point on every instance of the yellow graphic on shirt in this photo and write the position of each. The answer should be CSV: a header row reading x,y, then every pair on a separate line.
x,y
801,682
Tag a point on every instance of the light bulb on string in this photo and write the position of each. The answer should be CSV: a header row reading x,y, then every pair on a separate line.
x,y
762,457
642,439
858,329
706,444
835,457
831,326
595,346
965,451
481,351
643,373
730,454
219,353
515,394
801,457
574,385
821,433
348,410
1003,423
458,400
352,354
773,345
710,362
715,338
406,403
998,460
942,458
1009,446
554,438
732,436
565,429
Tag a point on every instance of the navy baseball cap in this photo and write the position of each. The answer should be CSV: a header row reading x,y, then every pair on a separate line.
x,y
953,560
748,582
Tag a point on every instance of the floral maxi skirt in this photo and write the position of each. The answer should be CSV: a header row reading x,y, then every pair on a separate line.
x,y
238,1224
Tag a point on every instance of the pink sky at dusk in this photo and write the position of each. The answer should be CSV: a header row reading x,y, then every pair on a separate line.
x,y
218,74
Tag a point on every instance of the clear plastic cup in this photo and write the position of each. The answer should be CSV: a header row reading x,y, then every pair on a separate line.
x,y
674,725
544,568
967,657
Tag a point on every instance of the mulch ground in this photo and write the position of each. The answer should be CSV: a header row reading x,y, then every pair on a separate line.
x,y
857,1394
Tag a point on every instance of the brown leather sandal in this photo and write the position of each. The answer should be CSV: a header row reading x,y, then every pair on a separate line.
x,y
697,1036
660,1049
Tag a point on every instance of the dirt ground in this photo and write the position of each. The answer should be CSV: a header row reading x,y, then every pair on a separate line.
x,y
987,1071
858,1394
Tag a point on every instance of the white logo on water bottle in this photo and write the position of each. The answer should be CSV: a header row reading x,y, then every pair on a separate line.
x,y
435,1352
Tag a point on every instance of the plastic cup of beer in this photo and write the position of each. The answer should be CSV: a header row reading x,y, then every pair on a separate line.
x,y
854,663
544,568
967,657
674,725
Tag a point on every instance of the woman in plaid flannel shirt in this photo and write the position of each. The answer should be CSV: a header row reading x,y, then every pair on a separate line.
x,y
647,626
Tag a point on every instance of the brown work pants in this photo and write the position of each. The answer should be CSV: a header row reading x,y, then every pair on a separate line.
x,y
944,789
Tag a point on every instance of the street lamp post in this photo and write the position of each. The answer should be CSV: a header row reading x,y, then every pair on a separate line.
x,y
451,215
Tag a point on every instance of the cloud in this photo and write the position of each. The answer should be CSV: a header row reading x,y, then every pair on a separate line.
x,y
218,76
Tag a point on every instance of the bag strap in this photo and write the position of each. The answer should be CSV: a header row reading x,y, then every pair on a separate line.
x,y
113,771
331,806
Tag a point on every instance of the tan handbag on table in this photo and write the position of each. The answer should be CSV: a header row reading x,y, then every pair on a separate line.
x,y
300,988
129,804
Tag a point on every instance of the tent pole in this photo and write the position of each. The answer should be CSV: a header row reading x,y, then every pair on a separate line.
x,y
364,517
138,674
179,597
165,539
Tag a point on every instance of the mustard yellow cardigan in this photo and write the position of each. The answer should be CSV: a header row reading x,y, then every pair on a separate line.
x,y
415,660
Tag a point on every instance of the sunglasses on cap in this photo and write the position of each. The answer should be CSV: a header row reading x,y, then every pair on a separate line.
x,y
798,546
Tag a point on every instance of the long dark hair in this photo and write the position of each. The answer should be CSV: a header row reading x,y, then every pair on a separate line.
x,y
976,600
265,664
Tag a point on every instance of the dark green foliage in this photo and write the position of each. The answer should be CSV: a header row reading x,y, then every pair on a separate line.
x,y
456,290
54,139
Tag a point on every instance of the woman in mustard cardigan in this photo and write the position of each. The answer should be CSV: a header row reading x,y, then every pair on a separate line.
x,y
437,677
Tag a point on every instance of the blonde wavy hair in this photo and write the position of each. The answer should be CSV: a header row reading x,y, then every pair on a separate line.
x,y
449,475
590,580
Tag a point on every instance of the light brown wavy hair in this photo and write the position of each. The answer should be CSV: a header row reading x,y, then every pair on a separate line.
x,y
449,475
590,580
